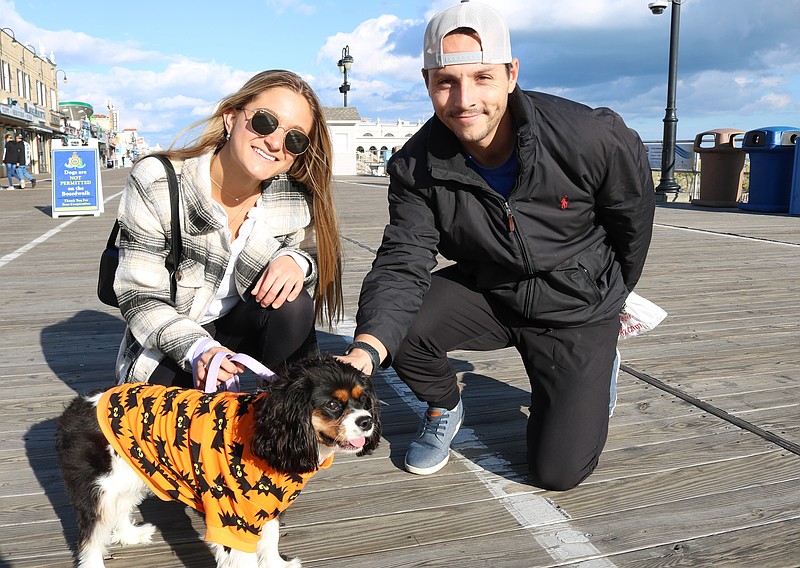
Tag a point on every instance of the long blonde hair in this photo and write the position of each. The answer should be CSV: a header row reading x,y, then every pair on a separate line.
x,y
313,169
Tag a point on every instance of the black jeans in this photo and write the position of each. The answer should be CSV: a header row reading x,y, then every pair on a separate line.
x,y
274,337
569,370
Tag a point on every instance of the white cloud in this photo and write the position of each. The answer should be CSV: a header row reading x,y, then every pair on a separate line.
x,y
776,101
537,15
159,102
382,74
372,42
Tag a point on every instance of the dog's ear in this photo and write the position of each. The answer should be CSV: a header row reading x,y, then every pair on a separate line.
x,y
374,407
284,436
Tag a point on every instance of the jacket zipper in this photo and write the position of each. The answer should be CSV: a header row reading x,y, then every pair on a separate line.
x,y
512,226
512,229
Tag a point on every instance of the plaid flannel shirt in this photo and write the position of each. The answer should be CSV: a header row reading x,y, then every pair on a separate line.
x,y
156,328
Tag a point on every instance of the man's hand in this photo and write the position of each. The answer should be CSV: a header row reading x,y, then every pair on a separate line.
x,y
360,359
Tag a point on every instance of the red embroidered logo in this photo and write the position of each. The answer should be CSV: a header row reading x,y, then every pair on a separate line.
x,y
564,202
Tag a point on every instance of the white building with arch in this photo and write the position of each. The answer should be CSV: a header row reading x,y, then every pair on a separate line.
x,y
361,146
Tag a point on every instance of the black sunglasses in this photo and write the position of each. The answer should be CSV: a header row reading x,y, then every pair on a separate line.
x,y
265,123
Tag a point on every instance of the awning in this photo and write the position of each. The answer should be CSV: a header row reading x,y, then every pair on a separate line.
x,y
38,128
7,121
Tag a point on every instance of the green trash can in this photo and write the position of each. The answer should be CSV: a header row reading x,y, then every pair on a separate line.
x,y
721,167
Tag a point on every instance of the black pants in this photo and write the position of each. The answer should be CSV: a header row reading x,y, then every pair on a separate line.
x,y
274,337
569,370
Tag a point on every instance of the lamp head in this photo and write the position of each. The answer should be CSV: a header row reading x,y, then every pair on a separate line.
x,y
346,62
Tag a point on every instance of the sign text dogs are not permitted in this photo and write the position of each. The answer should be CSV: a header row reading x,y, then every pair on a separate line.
x,y
77,189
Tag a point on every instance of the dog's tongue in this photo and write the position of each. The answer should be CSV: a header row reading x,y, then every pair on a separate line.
x,y
358,442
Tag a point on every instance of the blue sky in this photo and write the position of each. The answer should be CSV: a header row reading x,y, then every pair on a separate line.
x,y
164,64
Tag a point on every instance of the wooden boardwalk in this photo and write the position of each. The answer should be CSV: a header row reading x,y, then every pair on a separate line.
x,y
701,466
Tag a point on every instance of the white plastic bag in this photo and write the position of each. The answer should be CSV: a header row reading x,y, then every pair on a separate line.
x,y
639,315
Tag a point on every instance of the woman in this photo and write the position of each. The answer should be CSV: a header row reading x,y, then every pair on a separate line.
x,y
254,240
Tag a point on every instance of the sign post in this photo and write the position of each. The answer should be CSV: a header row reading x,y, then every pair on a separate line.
x,y
685,158
77,188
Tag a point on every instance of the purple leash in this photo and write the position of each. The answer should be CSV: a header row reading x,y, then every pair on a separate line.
x,y
232,384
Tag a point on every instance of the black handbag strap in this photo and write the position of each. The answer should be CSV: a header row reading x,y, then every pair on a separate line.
x,y
174,256
112,238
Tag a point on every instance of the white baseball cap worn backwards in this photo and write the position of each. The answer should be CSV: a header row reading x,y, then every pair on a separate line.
x,y
485,20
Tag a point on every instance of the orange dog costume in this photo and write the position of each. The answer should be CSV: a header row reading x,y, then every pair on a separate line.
x,y
195,448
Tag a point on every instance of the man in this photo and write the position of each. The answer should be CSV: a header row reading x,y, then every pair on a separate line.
x,y
10,160
546,208
25,159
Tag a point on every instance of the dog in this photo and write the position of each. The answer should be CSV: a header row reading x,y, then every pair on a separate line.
x,y
238,458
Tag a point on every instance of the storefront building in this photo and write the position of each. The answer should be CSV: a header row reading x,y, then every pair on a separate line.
x,y
29,99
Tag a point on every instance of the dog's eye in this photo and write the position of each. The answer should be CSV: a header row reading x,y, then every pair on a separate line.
x,y
333,406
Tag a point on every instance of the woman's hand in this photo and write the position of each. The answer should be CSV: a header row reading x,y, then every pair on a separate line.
x,y
281,282
227,368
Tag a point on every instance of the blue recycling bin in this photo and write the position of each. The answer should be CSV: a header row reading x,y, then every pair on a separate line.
x,y
771,152
794,200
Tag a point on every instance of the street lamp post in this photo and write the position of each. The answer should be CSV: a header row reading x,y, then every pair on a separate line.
x,y
29,47
61,71
345,63
11,33
668,184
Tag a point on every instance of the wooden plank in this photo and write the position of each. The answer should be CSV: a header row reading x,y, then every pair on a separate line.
x,y
765,545
695,518
675,486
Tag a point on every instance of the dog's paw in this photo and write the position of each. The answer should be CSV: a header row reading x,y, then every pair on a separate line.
x,y
134,534
91,558
281,561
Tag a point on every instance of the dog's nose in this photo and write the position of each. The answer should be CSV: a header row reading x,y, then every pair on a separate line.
x,y
365,423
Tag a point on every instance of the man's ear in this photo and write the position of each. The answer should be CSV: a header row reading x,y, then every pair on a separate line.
x,y
513,75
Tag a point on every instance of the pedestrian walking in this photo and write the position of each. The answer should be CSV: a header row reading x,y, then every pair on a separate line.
x,y
10,159
22,168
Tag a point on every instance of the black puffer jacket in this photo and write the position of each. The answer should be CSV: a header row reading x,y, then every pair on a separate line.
x,y
562,251
14,153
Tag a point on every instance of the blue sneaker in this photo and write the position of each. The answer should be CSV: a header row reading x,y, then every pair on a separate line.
x,y
430,451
